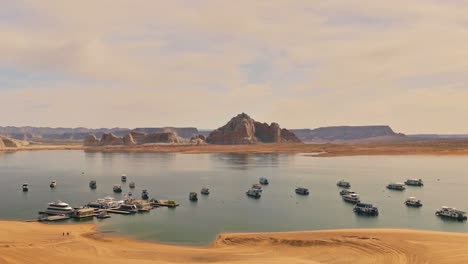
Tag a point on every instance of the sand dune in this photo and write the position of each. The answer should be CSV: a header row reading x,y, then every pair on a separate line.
x,y
22,242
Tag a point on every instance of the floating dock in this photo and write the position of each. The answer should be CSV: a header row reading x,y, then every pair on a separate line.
x,y
54,218
164,203
114,211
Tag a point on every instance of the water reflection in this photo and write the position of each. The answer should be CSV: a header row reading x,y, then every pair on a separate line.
x,y
242,161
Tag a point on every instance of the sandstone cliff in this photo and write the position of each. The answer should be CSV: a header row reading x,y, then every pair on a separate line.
x,y
344,133
132,138
242,129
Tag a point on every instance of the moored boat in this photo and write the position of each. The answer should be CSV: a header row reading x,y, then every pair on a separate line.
x,y
302,191
414,182
343,184
193,196
59,207
351,198
144,194
412,201
92,184
396,186
255,193
103,215
53,184
366,209
257,187
128,208
131,185
123,177
264,181
205,191
452,213
117,188
25,187
346,191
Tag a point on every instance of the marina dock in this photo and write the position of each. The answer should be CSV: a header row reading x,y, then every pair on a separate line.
x,y
54,218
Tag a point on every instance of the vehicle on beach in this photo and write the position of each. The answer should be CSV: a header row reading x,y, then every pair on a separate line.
x,y
123,178
144,194
92,184
343,184
53,184
451,212
117,188
193,196
25,187
302,191
205,191
366,209
264,181
131,185
351,198
396,186
414,182
412,201
346,191
255,193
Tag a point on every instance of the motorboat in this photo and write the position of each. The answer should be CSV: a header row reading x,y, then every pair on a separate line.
x,y
450,212
117,188
103,215
302,191
351,198
53,184
343,184
205,191
264,181
257,187
396,186
256,193
346,191
59,207
193,196
414,182
25,187
105,203
128,207
412,201
131,185
123,177
92,184
366,209
144,194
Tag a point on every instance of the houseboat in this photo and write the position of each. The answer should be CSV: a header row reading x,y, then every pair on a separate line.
x,y
53,184
302,191
82,213
59,208
396,186
346,191
131,185
193,196
414,182
25,187
264,181
144,194
105,203
205,191
412,201
255,193
450,212
123,178
117,188
257,187
343,184
366,209
128,208
92,184
351,198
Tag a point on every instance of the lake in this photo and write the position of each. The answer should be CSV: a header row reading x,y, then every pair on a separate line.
x,y
227,208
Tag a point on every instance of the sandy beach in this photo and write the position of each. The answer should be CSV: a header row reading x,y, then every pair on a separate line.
x,y
22,242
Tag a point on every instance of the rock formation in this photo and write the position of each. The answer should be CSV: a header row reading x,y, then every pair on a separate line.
x,y
111,139
2,145
91,140
132,138
198,139
343,133
244,130
9,143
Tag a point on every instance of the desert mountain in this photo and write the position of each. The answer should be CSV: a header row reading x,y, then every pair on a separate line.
x,y
344,133
242,129
132,138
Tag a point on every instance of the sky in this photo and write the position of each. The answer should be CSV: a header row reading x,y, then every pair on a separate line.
x,y
301,63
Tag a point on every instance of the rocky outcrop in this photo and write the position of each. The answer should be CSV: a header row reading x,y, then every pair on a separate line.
x,y
2,145
184,132
129,140
91,140
132,138
244,130
110,139
198,139
9,143
343,133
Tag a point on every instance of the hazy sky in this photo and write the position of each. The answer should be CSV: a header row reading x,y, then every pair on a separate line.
x,y
301,63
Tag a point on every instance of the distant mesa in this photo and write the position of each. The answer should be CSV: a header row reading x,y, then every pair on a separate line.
x,y
132,138
242,129
345,133
6,142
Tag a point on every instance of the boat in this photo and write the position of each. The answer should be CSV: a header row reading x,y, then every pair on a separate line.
x,y
144,194
193,196
123,178
59,207
92,184
346,191
257,187
264,181
25,187
414,182
302,191
128,208
450,212
343,184
366,209
117,188
105,203
351,198
205,191
396,186
103,215
131,185
256,193
412,201
53,184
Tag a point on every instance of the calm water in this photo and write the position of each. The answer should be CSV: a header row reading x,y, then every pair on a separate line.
x,y
227,209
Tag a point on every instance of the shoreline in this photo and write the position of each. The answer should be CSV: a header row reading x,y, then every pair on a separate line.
x,y
431,148
20,242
